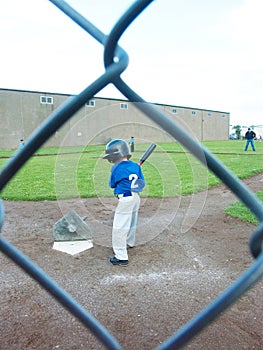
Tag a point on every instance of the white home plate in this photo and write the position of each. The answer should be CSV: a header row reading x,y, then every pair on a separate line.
x,y
73,247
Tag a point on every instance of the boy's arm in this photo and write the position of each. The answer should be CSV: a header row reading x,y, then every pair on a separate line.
x,y
114,179
112,182
140,182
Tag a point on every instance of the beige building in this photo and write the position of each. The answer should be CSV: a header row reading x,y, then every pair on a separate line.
x,y
100,120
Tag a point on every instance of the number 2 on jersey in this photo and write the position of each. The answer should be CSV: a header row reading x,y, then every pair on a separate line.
x,y
133,178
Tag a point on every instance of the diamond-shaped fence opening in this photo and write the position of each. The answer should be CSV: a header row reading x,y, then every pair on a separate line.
x,y
116,61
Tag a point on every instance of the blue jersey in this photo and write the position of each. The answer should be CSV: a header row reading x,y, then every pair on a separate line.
x,y
126,176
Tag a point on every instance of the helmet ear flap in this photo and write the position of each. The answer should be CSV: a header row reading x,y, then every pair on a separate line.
x,y
112,157
117,149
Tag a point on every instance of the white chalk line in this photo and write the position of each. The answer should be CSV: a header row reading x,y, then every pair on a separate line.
x,y
181,274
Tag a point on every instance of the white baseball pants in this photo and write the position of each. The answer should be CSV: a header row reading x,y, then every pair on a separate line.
x,y
124,225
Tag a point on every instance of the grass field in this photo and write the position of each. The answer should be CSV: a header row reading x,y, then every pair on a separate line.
x,y
72,172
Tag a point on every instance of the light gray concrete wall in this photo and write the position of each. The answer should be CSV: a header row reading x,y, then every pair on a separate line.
x,y
21,113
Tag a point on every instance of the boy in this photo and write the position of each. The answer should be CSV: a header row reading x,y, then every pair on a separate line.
x,y
127,180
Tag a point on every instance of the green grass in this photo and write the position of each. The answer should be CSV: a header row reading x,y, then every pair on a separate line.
x,y
240,211
72,172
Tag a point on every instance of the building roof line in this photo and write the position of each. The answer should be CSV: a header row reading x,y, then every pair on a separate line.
x,y
114,99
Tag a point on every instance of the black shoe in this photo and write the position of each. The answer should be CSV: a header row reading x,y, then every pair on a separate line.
x,y
116,261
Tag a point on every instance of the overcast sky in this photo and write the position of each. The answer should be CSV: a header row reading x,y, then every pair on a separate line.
x,y
203,54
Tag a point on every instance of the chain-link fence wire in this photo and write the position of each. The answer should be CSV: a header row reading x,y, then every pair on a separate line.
x,y
116,61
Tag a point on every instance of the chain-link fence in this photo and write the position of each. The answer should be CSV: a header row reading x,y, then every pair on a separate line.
x,y
116,61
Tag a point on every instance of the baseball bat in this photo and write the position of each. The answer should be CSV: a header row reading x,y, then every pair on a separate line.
x,y
147,153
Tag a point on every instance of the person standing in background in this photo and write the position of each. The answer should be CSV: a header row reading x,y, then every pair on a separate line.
x,y
132,143
21,143
250,135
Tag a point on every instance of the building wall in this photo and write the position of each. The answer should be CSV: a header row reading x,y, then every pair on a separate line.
x,y
21,113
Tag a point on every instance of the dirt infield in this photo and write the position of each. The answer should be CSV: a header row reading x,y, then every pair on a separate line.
x,y
188,252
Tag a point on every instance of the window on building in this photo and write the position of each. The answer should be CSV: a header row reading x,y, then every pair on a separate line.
x,y
193,112
174,110
209,114
46,100
90,103
123,105
223,115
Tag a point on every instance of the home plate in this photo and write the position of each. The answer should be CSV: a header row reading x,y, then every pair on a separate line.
x,y
73,247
